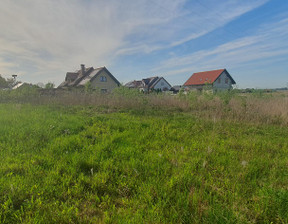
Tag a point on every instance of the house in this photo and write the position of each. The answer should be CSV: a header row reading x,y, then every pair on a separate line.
x,y
23,86
150,84
98,78
134,84
19,85
176,89
217,80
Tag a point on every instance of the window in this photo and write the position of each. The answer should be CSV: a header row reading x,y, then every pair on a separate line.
x,y
103,90
103,79
226,80
162,83
219,80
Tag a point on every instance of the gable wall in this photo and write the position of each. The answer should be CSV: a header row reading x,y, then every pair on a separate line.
x,y
110,84
222,85
163,85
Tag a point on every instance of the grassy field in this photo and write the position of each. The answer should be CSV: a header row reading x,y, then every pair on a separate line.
x,y
125,159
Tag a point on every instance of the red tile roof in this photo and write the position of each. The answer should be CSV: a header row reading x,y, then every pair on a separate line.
x,y
200,78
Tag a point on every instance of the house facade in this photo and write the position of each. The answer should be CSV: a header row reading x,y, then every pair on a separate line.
x,y
149,84
217,80
98,78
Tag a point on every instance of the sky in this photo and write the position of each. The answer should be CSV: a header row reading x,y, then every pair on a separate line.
x,y
41,40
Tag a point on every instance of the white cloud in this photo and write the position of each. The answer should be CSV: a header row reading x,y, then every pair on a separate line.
x,y
253,55
43,39
55,36
188,24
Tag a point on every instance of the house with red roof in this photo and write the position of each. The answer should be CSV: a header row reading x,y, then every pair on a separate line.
x,y
217,80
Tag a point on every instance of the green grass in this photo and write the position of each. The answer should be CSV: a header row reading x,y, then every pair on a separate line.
x,y
81,165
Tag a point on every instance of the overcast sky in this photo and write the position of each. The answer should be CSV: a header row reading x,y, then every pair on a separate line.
x,y
40,40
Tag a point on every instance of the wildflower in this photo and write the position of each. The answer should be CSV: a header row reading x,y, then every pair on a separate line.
x,y
244,163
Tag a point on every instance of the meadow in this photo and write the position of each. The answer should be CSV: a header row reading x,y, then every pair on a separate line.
x,y
134,158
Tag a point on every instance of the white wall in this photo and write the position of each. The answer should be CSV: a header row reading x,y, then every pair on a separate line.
x,y
162,84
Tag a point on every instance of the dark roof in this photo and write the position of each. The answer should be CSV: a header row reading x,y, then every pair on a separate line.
x,y
145,83
201,78
81,76
134,84
71,76
152,81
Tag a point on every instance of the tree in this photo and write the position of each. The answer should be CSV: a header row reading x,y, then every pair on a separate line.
x,y
49,85
3,82
88,87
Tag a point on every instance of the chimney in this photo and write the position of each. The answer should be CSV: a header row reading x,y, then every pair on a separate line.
x,y
82,69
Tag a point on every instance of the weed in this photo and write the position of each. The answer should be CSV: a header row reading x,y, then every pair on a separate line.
x,y
132,158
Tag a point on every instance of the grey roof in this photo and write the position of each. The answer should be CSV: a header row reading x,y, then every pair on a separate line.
x,y
81,76
145,83
71,76
19,84
134,84
89,76
152,81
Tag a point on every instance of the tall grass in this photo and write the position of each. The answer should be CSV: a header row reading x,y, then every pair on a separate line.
x,y
254,107
76,164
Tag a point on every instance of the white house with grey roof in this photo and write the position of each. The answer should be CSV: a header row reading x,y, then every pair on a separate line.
x,y
150,84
